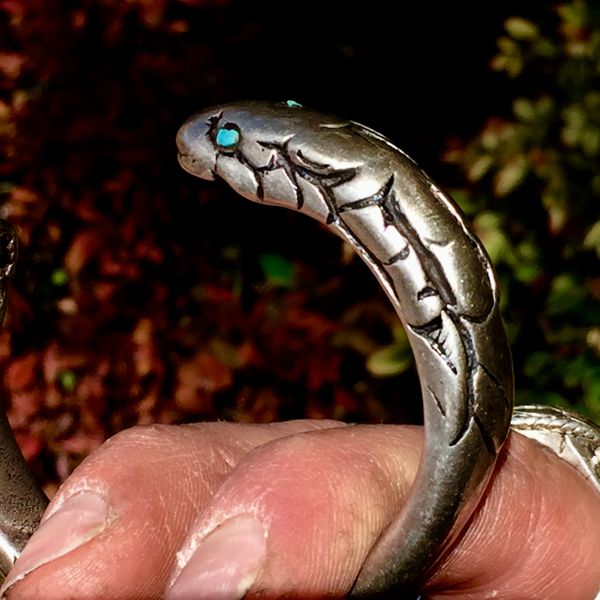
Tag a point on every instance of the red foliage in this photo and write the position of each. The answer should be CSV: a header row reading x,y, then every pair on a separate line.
x,y
125,308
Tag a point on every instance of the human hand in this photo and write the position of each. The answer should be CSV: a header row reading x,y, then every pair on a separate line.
x,y
297,506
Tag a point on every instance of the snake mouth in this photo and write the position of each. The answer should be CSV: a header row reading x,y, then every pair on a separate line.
x,y
193,167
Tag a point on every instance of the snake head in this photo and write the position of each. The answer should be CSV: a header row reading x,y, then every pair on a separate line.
x,y
237,143
260,149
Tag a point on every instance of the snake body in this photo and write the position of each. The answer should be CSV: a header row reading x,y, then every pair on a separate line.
x,y
434,270
570,436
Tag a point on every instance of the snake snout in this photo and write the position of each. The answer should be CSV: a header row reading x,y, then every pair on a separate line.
x,y
196,153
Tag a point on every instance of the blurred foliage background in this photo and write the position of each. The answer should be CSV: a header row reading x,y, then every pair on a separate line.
x,y
143,295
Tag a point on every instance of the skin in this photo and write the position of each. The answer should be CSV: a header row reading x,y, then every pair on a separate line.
x,y
535,534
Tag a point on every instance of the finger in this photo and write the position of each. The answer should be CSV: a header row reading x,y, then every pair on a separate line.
x,y
536,535
297,516
113,528
322,498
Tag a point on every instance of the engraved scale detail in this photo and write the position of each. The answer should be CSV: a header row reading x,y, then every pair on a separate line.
x,y
569,435
436,274
438,278
326,177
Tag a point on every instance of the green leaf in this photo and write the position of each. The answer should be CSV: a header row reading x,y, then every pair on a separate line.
x,y
574,14
278,270
510,176
59,277
590,141
524,109
546,49
575,371
510,58
392,359
593,341
521,29
67,380
538,364
592,238
479,167
527,273
565,296
488,227
389,361
591,393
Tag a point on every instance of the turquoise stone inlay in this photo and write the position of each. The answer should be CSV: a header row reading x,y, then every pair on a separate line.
x,y
293,104
227,137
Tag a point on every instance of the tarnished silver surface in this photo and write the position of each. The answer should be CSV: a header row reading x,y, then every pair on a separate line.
x,y
21,500
569,435
434,270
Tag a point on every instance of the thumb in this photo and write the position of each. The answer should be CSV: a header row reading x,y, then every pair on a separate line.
x,y
298,516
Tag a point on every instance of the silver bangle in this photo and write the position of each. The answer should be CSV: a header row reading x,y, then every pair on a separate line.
x,y
438,277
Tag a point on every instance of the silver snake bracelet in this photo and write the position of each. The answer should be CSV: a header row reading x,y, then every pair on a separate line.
x,y
440,281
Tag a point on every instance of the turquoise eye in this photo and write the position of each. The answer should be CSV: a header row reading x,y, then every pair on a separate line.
x,y
228,136
293,104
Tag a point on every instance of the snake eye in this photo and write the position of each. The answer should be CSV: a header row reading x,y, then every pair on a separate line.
x,y
228,136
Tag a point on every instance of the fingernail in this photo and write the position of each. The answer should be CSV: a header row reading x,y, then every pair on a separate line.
x,y
79,519
225,564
